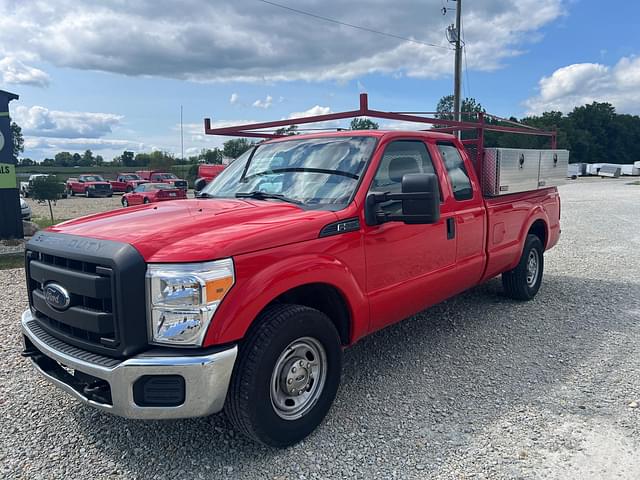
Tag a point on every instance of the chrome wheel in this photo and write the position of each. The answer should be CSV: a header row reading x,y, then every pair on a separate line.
x,y
533,263
298,378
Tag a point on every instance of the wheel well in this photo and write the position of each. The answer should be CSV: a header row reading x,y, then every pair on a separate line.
x,y
539,229
325,298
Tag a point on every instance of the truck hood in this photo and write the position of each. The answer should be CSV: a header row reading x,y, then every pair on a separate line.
x,y
201,230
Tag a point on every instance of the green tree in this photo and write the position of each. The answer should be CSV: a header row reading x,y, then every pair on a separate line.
x,y
47,189
210,156
26,162
63,159
127,159
286,131
99,160
236,147
87,159
18,140
161,160
363,124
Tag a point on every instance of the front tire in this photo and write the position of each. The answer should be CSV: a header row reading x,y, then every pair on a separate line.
x,y
146,200
523,282
125,202
286,377
86,193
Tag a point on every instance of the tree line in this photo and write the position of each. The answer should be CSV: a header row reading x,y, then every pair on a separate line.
x,y
593,133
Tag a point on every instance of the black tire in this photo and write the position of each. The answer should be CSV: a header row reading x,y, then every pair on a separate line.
x,y
146,200
250,406
72,193
86,192
125,202
129,189
519,283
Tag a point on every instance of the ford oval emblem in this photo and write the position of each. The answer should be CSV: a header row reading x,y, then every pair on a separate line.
x,y
57,296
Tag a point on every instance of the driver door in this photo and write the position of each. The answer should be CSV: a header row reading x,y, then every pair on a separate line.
x,y
409,267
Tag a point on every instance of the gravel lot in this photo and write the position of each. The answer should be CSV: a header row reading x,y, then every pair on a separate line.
x,y
77,206
477,387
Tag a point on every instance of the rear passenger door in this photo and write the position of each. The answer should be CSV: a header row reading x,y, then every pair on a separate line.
x,y
409,267
468,214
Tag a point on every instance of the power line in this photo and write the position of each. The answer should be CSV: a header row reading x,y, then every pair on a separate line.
x,y
345,24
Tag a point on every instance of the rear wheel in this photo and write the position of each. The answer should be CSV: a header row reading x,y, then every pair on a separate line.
x,y
523,282
129,189
146,200
286,376
72,193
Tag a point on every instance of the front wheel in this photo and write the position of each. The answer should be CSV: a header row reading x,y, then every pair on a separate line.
x,y
286,376
146,200
129,189
523,282
125,202
86,193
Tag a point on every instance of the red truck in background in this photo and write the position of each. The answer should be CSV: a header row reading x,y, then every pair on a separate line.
x,y
163,177
127,182
206,173
89,185
244,298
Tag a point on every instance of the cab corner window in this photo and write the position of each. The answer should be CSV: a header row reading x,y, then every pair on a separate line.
x,y
456,171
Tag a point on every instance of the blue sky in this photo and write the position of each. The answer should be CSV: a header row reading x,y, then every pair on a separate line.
x,y
105,76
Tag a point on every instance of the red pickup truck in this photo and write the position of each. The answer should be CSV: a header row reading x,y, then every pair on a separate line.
x,y
244,298
163,177
89,186
127,182
206,173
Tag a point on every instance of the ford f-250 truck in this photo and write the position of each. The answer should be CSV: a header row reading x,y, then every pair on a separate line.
x,y
127,182
163,177
89,186
243,299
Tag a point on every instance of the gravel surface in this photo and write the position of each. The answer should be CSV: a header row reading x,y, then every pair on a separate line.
x,y
477,387
78,206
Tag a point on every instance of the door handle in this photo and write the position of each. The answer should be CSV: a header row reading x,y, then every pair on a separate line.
x,y
451,228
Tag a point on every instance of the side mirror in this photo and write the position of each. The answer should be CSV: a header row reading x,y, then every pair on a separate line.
x,y
420,199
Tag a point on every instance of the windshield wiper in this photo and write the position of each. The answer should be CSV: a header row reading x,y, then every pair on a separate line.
x,y
258,195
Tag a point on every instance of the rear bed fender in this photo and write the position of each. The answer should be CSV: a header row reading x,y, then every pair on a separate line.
x,y
537,213
254,290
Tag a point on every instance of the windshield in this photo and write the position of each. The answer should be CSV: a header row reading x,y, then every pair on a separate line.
x,y
130,177
317,172
165,175
92,178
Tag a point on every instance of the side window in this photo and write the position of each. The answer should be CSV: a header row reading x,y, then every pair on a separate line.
x,y
399,158
457,172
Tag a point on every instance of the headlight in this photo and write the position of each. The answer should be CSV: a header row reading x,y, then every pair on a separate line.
x,y
182,298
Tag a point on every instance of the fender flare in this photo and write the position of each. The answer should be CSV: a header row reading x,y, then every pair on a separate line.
x,y
249,296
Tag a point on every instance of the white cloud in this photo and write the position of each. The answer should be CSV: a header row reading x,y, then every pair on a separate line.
x,y
80,144
252,41
266,103
41,122
582,83
316,110
13,71
234,98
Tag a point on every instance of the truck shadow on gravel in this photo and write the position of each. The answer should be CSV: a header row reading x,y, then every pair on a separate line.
x,y
422,388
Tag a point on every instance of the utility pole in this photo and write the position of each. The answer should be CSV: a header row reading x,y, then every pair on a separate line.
x,y
181,137
458,63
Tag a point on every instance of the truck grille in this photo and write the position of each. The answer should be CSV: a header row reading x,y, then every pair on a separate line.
x,y
105,308
89,316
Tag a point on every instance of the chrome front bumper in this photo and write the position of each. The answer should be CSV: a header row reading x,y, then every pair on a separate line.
x,y
206,377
